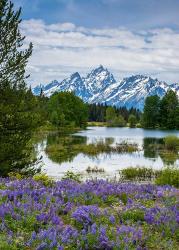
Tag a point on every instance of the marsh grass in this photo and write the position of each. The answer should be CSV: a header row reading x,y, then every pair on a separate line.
x,y
139,173
168,176
165,176
67,148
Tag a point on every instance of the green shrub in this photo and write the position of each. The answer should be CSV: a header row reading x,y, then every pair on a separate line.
x,y
72,176
16,175
132,121
171,142
45,179
141,173
168,176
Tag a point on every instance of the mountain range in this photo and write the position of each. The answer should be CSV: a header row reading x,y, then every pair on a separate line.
x,y
100,86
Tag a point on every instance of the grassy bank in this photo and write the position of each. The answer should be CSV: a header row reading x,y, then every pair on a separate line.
x,y
165,176
49,127
97,124
89,215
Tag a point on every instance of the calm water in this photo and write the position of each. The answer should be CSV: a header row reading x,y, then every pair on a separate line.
x,y
146,155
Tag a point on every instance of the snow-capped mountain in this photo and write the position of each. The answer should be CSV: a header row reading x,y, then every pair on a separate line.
x,y
100,86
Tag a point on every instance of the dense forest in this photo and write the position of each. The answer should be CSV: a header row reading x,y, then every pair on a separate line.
x,y
97,112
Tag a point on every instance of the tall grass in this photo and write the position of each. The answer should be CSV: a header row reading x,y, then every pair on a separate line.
x,y
139,173
165,176
168,176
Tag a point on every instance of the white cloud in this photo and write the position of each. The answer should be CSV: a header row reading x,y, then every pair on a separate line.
x,y
60,49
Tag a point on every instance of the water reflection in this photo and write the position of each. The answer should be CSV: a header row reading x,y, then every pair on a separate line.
x,y
152,146
70,152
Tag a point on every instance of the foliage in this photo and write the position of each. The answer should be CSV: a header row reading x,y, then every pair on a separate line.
x,y
150,118
169,176
171,142
17,106
69,175
47,181
110,115
114,120
139,173
169,111
65,108
132,121
97,112
162,113
88,215
118,121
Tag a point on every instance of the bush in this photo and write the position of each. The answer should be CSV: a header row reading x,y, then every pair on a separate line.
x,y
45,179
137,173
132,121
168,176
72,176
171,142
15,175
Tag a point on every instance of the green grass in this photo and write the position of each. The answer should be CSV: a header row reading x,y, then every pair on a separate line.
x,y
97,124
168,176
165,176
139,173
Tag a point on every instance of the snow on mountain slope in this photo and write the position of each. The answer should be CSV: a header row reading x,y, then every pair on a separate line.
x,y
132,91
99,86
98,80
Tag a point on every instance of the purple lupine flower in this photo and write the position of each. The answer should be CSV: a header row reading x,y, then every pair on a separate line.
x,y
42,246
177,218
112,219
94,228
56,220
60,248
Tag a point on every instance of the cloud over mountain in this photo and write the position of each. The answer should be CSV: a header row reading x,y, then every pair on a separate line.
x,y
62,48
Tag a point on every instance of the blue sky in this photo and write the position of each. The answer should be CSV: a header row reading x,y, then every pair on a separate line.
x,y
127,36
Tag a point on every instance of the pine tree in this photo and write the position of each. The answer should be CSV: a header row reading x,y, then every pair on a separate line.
x,y
17,119
151,115
169,114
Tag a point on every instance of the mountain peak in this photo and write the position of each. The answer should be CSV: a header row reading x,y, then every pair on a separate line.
x,y
98,70
75,75
99,86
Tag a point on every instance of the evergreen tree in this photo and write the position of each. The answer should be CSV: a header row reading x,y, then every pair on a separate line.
x,y
150,118
169,111
16,102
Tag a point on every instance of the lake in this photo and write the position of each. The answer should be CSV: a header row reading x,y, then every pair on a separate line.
x,y
62,153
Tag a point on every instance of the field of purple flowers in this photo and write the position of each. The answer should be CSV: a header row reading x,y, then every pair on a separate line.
x,y
88,215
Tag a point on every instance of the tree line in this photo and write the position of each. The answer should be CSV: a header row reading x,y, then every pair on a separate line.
x,y
114,116
161,112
